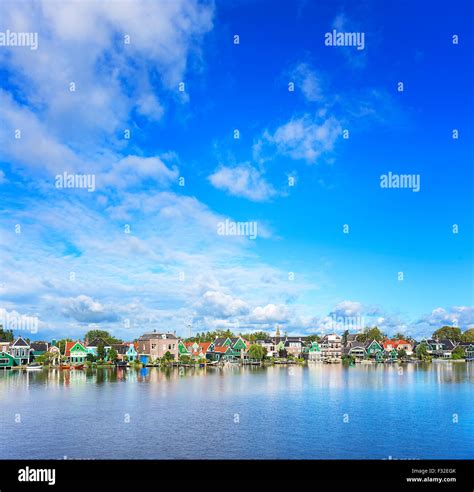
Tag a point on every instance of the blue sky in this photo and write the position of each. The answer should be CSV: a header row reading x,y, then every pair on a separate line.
x,y
141,251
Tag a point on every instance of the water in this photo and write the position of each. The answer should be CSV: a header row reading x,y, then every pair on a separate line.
x,y
318,412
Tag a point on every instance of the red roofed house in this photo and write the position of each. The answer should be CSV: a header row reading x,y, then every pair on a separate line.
x,y
197,350
397,345
75,352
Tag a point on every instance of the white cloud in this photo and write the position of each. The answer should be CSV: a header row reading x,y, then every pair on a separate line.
x,y
84,43
220,305
244,181
271,313
459,316
307,138
308,82
85,310
133,170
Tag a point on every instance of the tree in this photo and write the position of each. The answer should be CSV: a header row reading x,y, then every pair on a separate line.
x,y
399,336
450,332
314,338
61,344
101,351
257,352
422,352
258,335
468,335
167,357
112,355
46,359
91,358
103,335
458,353
371,334
402,354
185,359
344,337
6,335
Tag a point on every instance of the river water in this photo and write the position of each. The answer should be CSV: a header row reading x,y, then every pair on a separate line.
x,y
320,411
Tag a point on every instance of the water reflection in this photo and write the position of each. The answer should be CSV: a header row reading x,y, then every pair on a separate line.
x,y
295,377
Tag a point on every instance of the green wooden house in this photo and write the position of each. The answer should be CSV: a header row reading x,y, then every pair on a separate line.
x,y
237,346
75,353
20,350
393,355
182,350
374,348
7,361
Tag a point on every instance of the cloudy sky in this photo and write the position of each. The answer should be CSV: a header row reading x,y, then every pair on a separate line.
x,y
189,114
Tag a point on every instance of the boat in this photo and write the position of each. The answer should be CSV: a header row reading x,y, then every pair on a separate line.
x,y
64,366
79,367
34,367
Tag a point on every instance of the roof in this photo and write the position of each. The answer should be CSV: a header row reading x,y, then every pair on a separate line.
x,y
203,347
20,342
221,349
447,344
219,341
359,345
97,341
69,346
154,336
395,343
352,337
121,348
39,346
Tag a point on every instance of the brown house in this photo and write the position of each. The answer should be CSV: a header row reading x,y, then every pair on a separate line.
x,y
155,345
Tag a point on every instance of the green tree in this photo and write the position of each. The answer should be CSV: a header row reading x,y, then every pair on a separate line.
x,y
91,358
450,332
45,359
103,335
458,353
6,335
344,337
468,335
257,352
112,355
399,336
253,337
371,334
101,350
402,354
61,344
167,358
314,338
422,352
